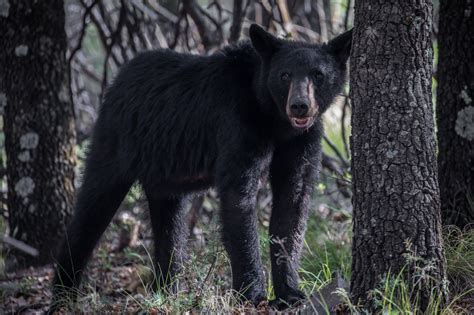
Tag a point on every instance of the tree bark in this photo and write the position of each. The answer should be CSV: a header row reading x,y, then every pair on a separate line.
x,y
396,196
39,124
455,111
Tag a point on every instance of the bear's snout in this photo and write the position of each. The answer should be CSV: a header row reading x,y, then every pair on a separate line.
x,y
301,106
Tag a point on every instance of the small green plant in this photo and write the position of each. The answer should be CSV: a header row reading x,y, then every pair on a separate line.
x,y
133,195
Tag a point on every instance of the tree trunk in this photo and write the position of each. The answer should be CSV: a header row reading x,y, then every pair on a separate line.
x,y
39,123
455,111
396,196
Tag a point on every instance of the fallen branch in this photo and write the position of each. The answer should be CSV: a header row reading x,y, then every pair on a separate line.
x,y
19,245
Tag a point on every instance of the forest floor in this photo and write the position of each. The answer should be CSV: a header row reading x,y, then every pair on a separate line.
x,y
119,274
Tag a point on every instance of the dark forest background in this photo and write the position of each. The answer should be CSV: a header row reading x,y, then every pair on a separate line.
x,y
84,47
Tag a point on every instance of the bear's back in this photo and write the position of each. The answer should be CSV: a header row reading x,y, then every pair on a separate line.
x,y
169,107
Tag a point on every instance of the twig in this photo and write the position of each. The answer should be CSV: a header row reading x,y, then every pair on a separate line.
x,y
103,30
343,126
177,30
336,151
332,165
347,14
140,5
195,212
113,38
213,264
322,20
282,7
217,24
78,46
163,11
192,8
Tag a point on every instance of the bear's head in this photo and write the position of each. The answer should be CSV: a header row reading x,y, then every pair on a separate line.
x,y
299,78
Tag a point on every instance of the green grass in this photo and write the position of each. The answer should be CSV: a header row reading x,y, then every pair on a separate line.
x,y
394,294
327,252
205,283
459,252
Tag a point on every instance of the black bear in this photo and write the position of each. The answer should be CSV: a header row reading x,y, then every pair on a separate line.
x,y
180,123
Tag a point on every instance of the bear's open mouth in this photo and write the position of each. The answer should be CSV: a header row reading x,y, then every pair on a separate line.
x,y
302,123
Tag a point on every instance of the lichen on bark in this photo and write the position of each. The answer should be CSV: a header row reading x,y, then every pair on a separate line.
x,y
4,8
40,194
465,123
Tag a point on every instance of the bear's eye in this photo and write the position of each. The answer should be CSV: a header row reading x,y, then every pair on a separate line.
x,y
318,76
285,76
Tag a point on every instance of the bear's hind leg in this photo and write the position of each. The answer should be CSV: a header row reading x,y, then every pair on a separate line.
x,y
101,194
170,233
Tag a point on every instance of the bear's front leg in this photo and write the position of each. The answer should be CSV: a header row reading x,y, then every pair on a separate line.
x,y
237,183
292,174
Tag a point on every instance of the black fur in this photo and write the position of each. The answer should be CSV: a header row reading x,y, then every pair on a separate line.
x,y
179,123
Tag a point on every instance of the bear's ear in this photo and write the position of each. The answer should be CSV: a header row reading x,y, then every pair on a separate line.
x,y
340,46
264,43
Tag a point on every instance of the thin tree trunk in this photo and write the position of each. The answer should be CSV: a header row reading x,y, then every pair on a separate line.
x,y
455,111
39,123
237,19
396,196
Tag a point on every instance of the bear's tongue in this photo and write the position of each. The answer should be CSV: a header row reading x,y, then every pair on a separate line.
x,y
301,121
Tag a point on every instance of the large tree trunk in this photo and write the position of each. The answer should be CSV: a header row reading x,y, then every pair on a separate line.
x,y
455,111
396,197
39,123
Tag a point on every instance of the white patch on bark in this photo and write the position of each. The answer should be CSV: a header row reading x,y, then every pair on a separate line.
x,y
465,97
24,156
32,208
29,140
467,12
21,50
391,153
4,8
417,22
3,99
465,123
25,186
3,102
371,32
63,94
